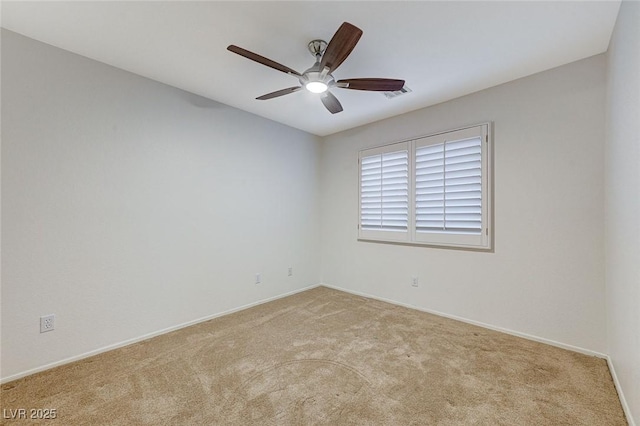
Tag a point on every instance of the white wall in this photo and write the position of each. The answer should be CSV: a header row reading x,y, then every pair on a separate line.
x,y
546,276
129,206
622,203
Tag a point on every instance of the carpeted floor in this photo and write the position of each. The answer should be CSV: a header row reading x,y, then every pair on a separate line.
x,y
326,357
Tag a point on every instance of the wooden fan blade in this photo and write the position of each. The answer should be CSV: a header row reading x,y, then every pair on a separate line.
x,y
279,93
374,84
331,102
340,46
261,60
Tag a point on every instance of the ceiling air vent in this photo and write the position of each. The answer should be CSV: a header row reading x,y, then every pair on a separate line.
x,y
397,93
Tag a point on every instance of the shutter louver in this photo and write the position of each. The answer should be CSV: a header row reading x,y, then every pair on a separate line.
x,y
384,191
449,187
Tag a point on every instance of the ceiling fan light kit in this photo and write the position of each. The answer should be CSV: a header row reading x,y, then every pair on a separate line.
x,y
318,78
316,87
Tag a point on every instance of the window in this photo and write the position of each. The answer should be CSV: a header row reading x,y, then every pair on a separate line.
x,y
434,190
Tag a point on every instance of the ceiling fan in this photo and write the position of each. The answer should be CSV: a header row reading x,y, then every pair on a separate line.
x,y
318,78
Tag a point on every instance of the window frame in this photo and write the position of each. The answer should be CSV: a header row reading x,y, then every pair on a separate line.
x,y
444,239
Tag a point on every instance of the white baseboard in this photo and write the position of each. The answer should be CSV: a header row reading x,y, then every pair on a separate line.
x,y
478,323
147,336
623,400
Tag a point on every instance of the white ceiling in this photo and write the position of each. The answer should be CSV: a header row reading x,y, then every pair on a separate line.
x,y
442,49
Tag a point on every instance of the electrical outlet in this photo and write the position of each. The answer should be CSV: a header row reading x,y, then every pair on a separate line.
x,y
47,323
414,282
258,279
290,271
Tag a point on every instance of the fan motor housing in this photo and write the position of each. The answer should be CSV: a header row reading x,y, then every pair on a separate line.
x,y
316,74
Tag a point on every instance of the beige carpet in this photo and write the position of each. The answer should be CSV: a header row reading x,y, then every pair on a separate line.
x,y
327,357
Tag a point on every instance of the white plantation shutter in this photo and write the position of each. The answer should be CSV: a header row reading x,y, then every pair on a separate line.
x,y
384,192
449,187
435,190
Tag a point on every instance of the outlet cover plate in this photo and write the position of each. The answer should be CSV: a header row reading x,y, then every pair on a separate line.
x,y
47,323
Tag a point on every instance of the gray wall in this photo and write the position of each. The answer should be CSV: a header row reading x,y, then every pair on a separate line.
x,y
546,276
622,203
129,207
